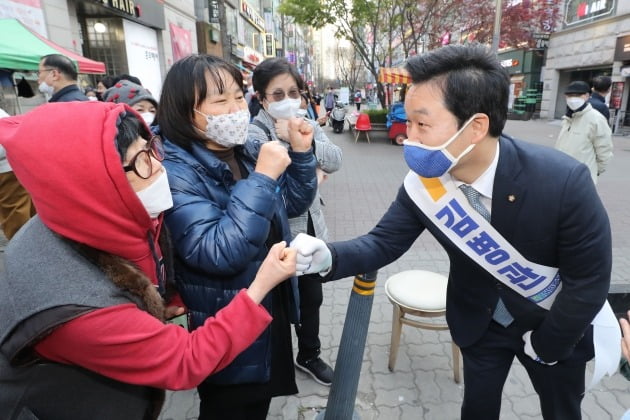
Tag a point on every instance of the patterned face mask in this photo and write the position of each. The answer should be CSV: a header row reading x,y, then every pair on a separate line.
x,y
227,130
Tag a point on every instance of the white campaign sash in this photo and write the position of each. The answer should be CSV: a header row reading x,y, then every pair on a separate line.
x,y
447,207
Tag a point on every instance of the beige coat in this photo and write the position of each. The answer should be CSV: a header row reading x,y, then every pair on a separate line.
x,y
587,137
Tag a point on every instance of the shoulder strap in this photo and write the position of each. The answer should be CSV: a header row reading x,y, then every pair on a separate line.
x,y
264,128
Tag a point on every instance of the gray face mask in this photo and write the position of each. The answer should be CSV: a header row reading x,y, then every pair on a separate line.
x,y
227,130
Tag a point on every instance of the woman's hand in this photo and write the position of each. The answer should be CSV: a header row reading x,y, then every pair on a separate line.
x,y
278,266
300,134
273,159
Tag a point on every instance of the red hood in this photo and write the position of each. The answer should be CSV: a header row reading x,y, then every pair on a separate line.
x,y
64,155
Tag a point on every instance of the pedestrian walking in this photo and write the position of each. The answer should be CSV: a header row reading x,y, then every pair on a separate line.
x,y
585,134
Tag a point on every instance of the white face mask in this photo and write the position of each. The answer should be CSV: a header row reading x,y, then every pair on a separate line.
x,y
284,109
92,98
45,88
575,102
228,130
148,117
157,197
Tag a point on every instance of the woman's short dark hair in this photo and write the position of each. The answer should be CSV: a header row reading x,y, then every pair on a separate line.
x,y
129,128
270,68
471,80
184,89
62,63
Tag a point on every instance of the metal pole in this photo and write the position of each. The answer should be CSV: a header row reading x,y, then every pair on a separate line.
x,y
343,391
496,36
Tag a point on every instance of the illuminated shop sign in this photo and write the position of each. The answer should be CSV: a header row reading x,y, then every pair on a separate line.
x,y
252,16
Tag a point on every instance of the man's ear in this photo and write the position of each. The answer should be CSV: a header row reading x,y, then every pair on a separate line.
x,y
480,127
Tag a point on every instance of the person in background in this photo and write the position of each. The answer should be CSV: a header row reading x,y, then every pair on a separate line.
x,y
91,93
329,100
311,107
278,84
125,76
16,207
585,134
134,95
357,99
57,78
527,236
601,88
88,281
103,84
232,198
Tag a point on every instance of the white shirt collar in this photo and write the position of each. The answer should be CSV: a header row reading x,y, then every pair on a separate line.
x,y
485,183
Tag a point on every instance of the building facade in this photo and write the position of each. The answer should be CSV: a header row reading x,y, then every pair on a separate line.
x,y
594,40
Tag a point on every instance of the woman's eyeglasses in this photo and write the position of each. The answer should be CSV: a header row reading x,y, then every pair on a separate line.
x,y
279,94
141,164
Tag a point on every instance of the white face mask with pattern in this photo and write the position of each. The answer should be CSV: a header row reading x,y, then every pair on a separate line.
x,y
228,130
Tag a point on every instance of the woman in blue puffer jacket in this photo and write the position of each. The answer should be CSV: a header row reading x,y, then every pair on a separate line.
x,y
232,198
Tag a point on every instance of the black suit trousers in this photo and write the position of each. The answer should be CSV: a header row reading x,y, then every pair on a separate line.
x,y
486,365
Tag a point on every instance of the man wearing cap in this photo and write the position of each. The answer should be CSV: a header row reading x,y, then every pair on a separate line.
x,y
585,134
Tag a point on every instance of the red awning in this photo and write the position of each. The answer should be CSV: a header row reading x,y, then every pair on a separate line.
x,y
393,75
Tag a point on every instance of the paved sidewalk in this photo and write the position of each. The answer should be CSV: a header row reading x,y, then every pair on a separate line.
x,y
422,386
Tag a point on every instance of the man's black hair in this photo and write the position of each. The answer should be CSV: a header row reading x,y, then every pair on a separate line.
x,y
62,64
471,80
129,77
602,83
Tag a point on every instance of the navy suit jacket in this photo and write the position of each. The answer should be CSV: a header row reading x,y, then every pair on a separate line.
x,y
555,218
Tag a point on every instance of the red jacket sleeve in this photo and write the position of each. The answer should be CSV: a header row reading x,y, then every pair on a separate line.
x,y
127,344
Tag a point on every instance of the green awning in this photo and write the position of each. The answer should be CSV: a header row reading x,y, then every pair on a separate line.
x,y
22,48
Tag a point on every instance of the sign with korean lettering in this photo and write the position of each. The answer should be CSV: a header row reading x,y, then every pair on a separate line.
x,y
143,59
270,45
252,16
214,11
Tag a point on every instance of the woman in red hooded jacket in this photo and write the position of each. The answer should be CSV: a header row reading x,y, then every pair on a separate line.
x,y
86,287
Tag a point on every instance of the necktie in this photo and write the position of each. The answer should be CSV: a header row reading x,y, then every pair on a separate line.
x,y
501,313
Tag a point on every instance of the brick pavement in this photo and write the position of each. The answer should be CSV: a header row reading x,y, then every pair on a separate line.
x,y
421,387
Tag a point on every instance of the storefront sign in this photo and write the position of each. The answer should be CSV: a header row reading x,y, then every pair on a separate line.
x,y
270,46
180,41
128,7
214,11
252,16
616,92
252,56
143,59
622,48
579,11
29,12
510,62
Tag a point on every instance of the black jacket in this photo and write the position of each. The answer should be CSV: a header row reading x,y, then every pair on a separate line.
x,y
598,102
69,93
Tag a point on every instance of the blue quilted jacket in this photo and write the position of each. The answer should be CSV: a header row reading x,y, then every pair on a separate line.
x,y
219,230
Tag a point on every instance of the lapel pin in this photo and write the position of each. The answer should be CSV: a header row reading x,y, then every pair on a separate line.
x,y
511,198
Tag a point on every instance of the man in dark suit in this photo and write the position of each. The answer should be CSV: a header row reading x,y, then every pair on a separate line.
x,y
540,201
